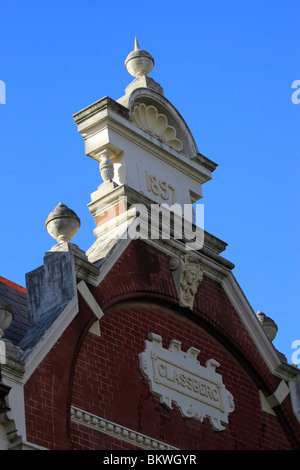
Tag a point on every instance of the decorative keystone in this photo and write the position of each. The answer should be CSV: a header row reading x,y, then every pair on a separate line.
x,y
187,275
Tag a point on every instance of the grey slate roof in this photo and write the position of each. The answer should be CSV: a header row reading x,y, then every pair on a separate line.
x,y
38,329
15,296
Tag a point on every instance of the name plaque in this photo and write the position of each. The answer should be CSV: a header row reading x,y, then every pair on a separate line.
x,y
178,377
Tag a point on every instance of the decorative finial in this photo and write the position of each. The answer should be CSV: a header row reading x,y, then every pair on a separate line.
x,y
62,223
269,326
139,62
6,316
136,45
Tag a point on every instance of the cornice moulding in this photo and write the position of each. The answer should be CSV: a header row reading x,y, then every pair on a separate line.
x,y
252,324
99,105
141,138
104,118
117,431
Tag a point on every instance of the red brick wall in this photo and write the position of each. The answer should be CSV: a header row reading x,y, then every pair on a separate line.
x,y
109,383
47,393
101,375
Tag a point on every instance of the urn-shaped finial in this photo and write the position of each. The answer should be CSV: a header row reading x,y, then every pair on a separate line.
x,y
6,316
139,62
62,223
269,326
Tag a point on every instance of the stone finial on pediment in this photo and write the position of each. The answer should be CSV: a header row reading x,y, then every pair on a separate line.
x,y
187,275
62,223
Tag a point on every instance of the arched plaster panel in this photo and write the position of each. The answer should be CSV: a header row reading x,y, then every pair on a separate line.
x,y
164,107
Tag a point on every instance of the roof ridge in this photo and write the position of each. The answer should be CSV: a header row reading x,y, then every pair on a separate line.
x,y
13,285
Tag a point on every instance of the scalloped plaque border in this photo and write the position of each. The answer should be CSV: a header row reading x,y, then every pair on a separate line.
x,y
177,376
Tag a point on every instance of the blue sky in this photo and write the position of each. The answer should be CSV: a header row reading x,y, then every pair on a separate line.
x,y
228,67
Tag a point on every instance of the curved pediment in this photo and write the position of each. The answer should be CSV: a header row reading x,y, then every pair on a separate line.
x,y
150,120
153,113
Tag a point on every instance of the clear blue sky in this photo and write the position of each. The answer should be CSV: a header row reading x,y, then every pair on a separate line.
x,y
227,66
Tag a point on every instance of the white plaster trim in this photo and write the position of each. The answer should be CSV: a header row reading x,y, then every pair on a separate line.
x,y
112,121
162,151
90,300
169,107
281,392
95,328
117,431
110,258
211,268
51,336
235,294
270,402
146,117
265,406
117,226
14,419
218,272
268,352
295,395
248,317
24,445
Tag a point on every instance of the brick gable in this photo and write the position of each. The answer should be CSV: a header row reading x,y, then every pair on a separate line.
x,y
101,374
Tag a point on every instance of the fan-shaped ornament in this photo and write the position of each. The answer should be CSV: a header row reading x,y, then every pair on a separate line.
x,y
156,124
